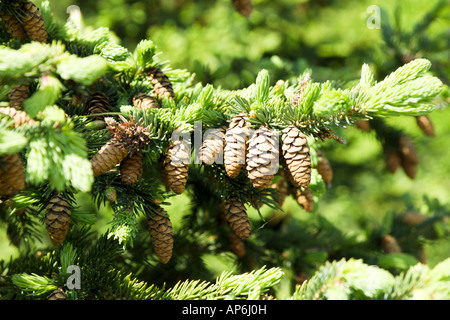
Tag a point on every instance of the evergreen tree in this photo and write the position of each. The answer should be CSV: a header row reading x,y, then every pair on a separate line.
x,y
79,131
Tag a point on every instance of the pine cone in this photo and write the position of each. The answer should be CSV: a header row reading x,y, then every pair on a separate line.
x,y
131,168
17,96
237,218
262,158
392,160
176,165
324,168
244,7
14,26
98,102
161,83
236,245
12,172
425,124
412,218
363,125
58,294
161,234
235,151
111,194
57,219
390,244
111,154
144,101
20,117
408,156
296,156
304,198
211,150
34,24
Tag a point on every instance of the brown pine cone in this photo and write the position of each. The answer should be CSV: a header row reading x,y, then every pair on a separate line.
x,y
324,168
282,186
17,96
176,165
211,150
425,124
236,138
20,117
111,154
262,158
244,7
12,172
57,219
392,161
390,244
58,294
131,168
161,234
144,101
33,23
13,26
98,102
236,216
161,83
296,156
304,198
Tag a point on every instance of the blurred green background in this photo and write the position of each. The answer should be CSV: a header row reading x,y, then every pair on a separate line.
x,y
331,40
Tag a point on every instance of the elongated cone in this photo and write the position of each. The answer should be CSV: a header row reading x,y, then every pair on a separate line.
x,y
390,244
12,172
144,101
296,156
262,158
14,26
392,160
244,7
58,294
324,168
211,150
57,219
236,245
236,216
161,234
408,156
131,168
304,198
236,137
17,96
111,154
425,124
412,218
161,83
176,165
98,102
34,24
20,117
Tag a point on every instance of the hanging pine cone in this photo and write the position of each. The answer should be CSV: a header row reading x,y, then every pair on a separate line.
x,y
57,219
17,96
111,154
58,294
408,156
12,172
236,245
98,102
161,83
131,168
34,24
5,189
211,150
412,218
262,158
161,234
236,138
13,26
129,138
296,156
144,101
176,165
236,216
425,124
324,168
304,198
244,7
363,125
20,117
390,244
392,160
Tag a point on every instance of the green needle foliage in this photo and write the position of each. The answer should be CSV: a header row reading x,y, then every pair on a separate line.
x,y
58,143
